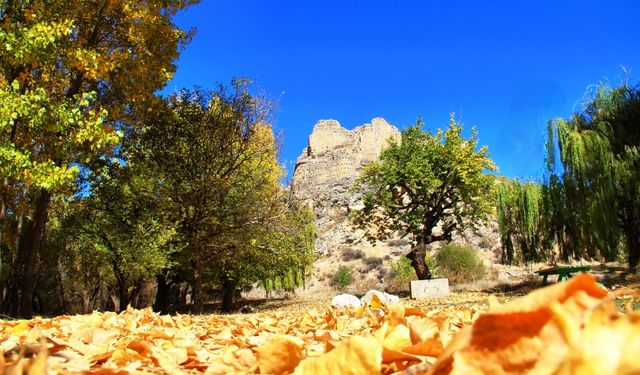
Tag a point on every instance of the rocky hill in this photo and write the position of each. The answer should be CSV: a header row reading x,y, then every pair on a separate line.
x,y
323,176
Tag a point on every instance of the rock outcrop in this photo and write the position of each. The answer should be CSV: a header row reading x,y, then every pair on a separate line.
x,y
335,155
327,169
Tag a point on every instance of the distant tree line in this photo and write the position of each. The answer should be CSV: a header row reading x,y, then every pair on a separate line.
x,y
112,195
588,206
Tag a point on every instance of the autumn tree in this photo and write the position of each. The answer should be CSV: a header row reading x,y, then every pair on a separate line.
x,y
599,186
73,74
426,186
266,238
216,153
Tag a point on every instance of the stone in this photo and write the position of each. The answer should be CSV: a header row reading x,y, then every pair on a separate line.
x,y
335,153
345,301
246,309
386,298
421,289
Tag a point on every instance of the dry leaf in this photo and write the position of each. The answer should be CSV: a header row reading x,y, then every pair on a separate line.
x,y
356,355
280,355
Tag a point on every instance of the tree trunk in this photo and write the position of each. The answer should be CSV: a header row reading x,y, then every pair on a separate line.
x,y
198,297
228,291
633,242
31,246
86,302
123,294
417,256
162,294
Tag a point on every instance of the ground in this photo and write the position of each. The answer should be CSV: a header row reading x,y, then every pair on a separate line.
x,y
515,326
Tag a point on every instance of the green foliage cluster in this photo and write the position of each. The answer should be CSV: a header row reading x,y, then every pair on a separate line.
x,y
74,77
403,271
343,278
424,181
523,230
589,206
460,264
109,192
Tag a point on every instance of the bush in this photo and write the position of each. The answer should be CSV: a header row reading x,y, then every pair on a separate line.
x,y
372,263
460,263
403,270
343,277
352,254
402,273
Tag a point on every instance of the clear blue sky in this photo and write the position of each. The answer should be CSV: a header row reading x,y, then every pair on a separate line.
x,y
505,66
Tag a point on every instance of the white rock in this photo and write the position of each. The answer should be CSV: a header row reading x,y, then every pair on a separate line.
x,y
346,301
386,298
392,299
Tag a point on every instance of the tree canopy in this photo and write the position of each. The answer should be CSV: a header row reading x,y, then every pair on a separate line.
x,y
216,154
599,152
73,76
588,206
426,186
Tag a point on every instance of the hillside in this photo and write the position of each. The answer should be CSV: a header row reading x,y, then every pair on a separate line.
x,y
324,174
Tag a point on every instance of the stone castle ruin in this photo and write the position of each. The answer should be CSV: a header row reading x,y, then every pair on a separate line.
x,y
335,155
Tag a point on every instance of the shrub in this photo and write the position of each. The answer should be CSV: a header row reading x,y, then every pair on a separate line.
x,y
372,263
460,263
402,273
343,277
352,254
403,270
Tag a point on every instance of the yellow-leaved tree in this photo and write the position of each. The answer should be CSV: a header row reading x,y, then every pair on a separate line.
x,y
74,76
216,153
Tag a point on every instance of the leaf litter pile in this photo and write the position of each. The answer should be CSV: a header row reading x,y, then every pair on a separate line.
x,y
567,328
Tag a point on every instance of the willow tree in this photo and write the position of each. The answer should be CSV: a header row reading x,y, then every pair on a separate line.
x,y
522,222
599,149
72,73
427,186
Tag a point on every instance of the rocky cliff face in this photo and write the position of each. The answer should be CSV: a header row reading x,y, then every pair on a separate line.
x,y
327,169
323,176
335,155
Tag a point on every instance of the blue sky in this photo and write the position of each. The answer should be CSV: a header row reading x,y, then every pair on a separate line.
x,y
506,67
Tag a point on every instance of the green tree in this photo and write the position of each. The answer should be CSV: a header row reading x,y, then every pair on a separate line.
x,y
73,74
125,224
216,153
522,221
425,181
599,152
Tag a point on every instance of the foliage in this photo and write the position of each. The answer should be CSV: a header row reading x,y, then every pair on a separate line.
x,y
425,181
73,76
403,270
460,263
522,221
343,277
122,231
598,191
216,154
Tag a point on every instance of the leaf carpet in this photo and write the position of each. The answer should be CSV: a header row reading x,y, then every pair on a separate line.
x,y
567,328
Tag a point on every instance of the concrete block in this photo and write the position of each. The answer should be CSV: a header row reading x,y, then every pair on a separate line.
x,y
429,288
